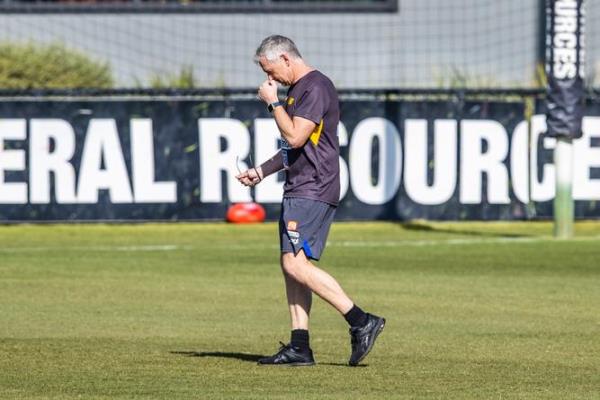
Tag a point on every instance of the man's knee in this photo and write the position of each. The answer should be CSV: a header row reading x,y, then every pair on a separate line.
x,y
295,265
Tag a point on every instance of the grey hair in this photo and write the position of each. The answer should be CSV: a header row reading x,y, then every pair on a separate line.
x,y
274,46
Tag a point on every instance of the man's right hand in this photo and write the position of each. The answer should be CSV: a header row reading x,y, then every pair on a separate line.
x,y
267,92
250,177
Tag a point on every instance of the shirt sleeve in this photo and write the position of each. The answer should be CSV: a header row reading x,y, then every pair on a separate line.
x,y
272,165
313,104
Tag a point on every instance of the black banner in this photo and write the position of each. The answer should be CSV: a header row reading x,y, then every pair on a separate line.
x,y
565,67
176,160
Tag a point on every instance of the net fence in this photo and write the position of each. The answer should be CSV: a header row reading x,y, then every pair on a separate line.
x,y
377,44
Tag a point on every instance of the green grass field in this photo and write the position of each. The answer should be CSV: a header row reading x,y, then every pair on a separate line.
x,y
182,311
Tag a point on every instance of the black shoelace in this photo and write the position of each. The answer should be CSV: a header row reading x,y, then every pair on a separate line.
x,y
284,346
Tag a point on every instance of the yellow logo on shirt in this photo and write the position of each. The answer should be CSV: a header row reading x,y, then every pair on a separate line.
x,y
290,101
316,135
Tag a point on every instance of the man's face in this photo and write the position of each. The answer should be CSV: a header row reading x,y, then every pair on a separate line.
x,y
278,70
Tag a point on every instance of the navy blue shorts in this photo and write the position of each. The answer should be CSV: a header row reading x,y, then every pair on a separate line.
x,y
304,225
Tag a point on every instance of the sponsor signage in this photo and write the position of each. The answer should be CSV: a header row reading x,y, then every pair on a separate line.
x,y
177,160
565,67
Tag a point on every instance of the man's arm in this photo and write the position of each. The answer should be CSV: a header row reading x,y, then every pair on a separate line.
x,y
295,131
271,166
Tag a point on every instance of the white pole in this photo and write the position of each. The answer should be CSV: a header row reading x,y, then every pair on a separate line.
x,y
563,200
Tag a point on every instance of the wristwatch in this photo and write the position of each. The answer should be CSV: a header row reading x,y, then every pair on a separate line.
x,y
272,106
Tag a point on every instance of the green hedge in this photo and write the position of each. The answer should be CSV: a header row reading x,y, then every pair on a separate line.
x,y
30,66
183,80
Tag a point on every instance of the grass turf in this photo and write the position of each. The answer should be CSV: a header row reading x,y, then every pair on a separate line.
x,y
182,311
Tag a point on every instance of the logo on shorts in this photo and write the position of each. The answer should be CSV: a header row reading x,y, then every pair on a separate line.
x,y
292,225
294,236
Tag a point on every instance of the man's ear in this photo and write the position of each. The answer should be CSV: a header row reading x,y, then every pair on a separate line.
x,y
285,58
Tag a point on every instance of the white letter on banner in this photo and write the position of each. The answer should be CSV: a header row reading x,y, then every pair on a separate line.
x,y
344,178
474,162
416,164
12,160
42,161
145,188
540,190
545,189
518,162
102,143
586,157
213,160
266,145
390,161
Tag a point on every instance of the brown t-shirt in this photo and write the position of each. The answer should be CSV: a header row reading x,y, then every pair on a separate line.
x,y
313,171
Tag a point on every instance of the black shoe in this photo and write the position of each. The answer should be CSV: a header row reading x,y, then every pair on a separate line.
x,y
289,356
363,338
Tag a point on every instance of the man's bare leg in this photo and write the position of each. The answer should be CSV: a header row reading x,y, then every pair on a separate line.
x,y
299,299
300,269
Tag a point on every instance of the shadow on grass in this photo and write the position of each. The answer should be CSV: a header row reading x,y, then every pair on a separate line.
x,y
424,227
244,357
220,354
343,365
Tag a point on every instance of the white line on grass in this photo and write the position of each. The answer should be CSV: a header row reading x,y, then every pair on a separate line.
x,y
439,242
164,247
333,243
454,242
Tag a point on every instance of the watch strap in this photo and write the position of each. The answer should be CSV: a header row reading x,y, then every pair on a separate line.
x,y
272,106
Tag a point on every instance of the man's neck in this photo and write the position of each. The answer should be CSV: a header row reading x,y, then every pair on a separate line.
x,y
301,71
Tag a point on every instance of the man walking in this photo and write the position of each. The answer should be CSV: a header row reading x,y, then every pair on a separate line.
x,y
307,121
